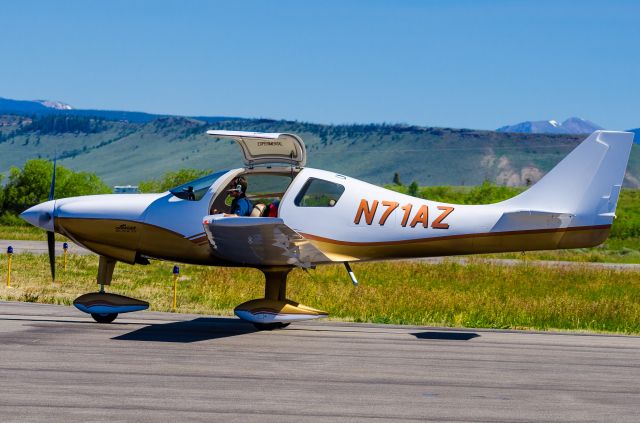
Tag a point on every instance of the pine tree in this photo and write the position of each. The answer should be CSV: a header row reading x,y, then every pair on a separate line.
x,y
396,179
413,189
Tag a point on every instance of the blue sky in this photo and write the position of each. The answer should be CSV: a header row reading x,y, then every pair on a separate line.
x,y
471,64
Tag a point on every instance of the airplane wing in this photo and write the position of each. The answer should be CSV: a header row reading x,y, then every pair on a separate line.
x,y
260,241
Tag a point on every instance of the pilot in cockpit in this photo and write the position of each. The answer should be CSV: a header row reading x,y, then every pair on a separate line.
x,y
240,206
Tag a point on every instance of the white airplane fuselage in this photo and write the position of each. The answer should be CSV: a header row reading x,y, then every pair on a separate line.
x,y
367,222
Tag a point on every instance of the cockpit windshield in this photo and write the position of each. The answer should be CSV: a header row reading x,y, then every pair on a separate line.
x,y
196,189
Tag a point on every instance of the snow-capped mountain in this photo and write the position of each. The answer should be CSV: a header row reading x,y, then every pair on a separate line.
x,y
572,125
58,105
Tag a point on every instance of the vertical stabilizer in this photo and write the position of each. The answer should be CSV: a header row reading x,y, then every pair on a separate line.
x,y
586,183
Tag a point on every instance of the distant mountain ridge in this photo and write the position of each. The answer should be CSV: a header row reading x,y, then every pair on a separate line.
x,y
48,107
573,125
127,147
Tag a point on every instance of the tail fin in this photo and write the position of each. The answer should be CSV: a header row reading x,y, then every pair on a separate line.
x,y
586,183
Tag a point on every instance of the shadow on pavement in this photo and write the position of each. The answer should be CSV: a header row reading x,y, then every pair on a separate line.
x,y
448,336
200,329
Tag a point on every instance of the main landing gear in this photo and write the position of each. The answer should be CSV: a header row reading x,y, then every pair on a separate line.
x,y
274,311
105,307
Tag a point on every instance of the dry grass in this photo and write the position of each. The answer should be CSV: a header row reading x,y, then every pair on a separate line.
x,y
448,294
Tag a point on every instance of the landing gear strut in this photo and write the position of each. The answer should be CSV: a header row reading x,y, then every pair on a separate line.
x,y
275,311
275,288
106,267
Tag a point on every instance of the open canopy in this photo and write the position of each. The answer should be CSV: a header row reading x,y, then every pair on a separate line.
x,y
265,148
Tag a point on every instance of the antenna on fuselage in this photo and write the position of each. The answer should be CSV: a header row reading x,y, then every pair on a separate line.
x,y
351,274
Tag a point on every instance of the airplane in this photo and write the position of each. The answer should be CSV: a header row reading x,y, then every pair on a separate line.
x,y
318,217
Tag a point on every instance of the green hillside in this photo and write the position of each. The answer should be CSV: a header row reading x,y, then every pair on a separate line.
x,y
123,152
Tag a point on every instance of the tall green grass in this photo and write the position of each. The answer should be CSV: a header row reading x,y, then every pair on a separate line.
x,y
477,295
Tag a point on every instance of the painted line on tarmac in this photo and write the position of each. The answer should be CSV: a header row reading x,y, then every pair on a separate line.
x,y
40,247
540,263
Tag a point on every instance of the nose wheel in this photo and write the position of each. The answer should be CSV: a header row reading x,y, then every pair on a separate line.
x,y
104,317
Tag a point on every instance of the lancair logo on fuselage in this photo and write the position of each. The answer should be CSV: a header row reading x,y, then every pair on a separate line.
x,y
125,228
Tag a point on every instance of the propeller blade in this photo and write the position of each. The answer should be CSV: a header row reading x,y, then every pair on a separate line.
x,y
51,246
52,190
51,236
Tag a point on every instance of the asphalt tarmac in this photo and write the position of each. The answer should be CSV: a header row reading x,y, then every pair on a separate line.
x,y
57,365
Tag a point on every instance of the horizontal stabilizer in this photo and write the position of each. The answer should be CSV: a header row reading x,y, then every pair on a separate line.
x,y
532,220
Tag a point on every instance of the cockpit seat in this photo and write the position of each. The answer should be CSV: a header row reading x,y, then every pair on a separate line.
x,y
259,210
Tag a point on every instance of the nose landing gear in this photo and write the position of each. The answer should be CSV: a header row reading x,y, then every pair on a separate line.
x,y
105,307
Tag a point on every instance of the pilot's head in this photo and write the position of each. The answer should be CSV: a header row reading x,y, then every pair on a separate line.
x,y
238,187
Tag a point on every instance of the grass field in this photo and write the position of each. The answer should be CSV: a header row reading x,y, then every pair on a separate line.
x,y
448,294
27,232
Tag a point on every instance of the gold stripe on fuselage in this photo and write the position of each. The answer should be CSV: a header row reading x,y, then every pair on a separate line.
x,y
491,242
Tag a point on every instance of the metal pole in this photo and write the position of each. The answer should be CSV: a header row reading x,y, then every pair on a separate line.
x,y
9,255
65,247
176,272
